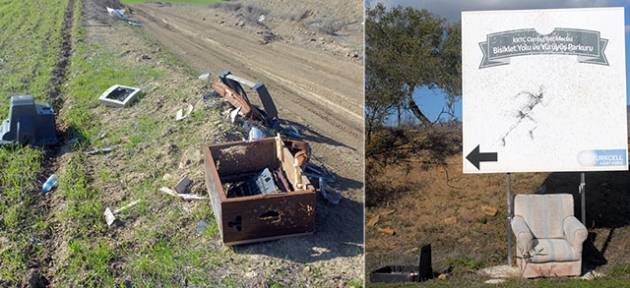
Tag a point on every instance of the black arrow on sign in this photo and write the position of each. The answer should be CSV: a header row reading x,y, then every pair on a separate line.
x,y
475,157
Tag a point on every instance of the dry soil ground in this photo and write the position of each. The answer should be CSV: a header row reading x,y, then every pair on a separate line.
x,y
443,207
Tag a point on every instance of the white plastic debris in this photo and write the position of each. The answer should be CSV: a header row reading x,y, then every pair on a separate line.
x,y
255,134
183,196
117,12
332,196
110,216
180,113
261,18
205,76
234,113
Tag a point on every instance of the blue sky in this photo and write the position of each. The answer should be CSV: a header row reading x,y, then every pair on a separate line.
x,y
431,102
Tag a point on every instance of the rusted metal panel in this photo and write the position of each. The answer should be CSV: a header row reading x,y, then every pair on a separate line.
x,y
264,216
265,98
300,151
235,82
236,100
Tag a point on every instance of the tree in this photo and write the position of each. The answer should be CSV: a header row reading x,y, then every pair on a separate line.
x,y
408,49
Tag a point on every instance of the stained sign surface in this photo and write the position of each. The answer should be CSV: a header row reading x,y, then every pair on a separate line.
x,y
544,90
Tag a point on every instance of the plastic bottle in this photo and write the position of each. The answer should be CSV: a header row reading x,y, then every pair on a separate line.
x,y
52,181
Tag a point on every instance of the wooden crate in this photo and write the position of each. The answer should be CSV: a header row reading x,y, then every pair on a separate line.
x,y
260,217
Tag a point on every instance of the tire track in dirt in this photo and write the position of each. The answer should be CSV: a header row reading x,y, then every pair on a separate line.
x,y
313,89
245,60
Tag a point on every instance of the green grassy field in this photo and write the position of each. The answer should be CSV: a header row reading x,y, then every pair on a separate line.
x,y
29,51
63,233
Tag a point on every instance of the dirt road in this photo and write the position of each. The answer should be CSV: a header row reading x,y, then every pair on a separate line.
x,y
316,81
320,91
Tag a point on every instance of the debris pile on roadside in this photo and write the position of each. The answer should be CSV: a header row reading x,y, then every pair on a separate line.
x,y
261,188
120,14
268,181
261,122
258,191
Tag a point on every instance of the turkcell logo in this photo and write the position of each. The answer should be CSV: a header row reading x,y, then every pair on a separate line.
x,y
607,157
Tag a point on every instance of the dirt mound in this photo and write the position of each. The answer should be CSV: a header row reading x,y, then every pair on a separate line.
x,y
463,216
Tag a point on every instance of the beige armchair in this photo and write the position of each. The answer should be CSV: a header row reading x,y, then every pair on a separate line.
x,y
548,237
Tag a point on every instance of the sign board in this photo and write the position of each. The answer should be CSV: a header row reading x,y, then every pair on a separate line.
x,y
544,90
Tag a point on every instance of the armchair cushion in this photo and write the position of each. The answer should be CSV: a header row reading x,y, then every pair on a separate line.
x,y
575,232
524,236
553,250
544,214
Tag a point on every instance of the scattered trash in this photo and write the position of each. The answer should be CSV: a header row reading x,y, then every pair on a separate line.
x,y
135,24
110,216
117,12
119,96
180,113
489,281
183,185
100,151
205,76
229,87
374,220
258,191
261,18
72,141
260,183
134,203
192,197
591,275
314,171
255,134
50,183
202,226
301,151
387,231
442,276
397,274
234,113
330,195
29,123
182,196
501,271
169,191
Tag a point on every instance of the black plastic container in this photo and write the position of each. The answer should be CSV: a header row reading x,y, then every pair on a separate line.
x,y
396,274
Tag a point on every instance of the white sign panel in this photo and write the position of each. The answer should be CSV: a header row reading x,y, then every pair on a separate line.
x,y
544,90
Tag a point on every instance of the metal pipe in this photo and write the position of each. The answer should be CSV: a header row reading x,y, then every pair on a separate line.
x,y
583,192
509,218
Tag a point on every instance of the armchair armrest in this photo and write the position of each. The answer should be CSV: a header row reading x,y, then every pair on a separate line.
x,y
575,232
524,236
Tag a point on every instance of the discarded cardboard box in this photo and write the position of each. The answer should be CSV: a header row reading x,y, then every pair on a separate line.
x,y
265,216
